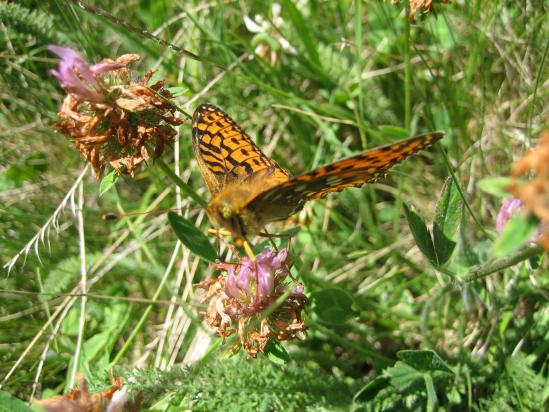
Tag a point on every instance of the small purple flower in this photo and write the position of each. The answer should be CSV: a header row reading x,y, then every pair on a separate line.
x,y
509,208
76,76
255,286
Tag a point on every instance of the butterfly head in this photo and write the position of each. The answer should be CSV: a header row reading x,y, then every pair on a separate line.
x,y
222,213
230,209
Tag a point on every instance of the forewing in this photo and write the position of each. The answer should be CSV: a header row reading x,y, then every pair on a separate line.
x,y
350,172
225,153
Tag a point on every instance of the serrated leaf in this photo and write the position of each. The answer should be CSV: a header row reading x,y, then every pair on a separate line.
x,y
495,186
108,182
192,237
9,403
423,360
332,305
276,353
421,234
516,234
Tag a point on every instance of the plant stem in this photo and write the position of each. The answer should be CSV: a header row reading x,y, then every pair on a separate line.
x,y
534,98
431,393
83,285
504,263
407,70
358,57
490,268
180,183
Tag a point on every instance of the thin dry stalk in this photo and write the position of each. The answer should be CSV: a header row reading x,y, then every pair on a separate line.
x,y
53,220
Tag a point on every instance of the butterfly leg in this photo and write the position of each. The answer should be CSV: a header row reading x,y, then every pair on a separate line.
x,y
270,237
219,232
240,242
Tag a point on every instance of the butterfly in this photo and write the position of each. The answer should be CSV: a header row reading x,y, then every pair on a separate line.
x,y
249,189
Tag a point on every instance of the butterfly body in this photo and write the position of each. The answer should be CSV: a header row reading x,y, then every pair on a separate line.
x,y
230,208
250,190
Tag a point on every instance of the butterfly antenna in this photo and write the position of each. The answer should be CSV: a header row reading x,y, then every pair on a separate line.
x,y
274,235
115,216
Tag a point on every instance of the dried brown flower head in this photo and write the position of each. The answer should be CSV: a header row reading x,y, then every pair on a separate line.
x,y
534,192
111,118
112,399
246,302
425,6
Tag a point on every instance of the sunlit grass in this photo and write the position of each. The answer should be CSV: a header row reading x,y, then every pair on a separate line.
x,y
321,84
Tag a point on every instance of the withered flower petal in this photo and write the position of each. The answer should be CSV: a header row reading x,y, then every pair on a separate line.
x,y
421,6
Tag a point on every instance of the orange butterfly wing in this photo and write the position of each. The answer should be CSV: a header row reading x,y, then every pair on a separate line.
x,y
225,153
353,171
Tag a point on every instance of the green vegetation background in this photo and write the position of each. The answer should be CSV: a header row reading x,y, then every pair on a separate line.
x,y
396,323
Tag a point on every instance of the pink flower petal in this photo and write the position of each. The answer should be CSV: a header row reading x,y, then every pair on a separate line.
x,y
75,75
106,66
509,208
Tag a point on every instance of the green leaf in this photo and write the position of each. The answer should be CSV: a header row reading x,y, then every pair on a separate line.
x,y
495,186
515,235
467,254
423,360
108,182
177,91
9,403
506,317
332,305
447,220
449,208
27,169
395,132
192,237
371,389
443,246
403,375
443,33
303,31
276,353
421,234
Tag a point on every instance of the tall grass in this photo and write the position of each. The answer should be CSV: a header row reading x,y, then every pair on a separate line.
x,y
392,325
